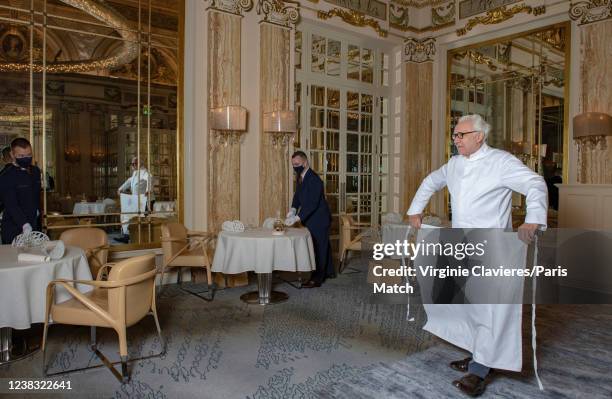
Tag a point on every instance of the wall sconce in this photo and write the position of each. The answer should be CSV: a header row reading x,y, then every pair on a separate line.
x,y
281,124
228,122
591,128
72,154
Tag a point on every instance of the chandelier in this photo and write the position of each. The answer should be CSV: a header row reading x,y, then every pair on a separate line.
x,y
103,13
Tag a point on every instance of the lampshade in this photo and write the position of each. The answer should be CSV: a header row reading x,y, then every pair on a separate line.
x,y
229,117
592,124
279,122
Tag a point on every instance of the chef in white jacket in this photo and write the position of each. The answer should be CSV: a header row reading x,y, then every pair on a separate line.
x,y
139,186
481,180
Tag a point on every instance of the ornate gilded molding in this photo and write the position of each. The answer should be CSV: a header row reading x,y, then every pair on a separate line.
x,y
499,15
419,50
279,12
236,7
477,58
354,18
590,11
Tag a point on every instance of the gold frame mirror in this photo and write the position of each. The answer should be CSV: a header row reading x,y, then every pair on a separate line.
x,y
520,85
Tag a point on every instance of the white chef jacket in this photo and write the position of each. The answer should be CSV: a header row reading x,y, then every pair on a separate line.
x,y
481,197
139,183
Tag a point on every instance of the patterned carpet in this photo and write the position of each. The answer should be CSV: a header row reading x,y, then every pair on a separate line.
x,y
322,343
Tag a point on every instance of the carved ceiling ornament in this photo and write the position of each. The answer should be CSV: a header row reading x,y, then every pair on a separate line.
x,y
419,50
499,15
279,12
236,7
477,58
590,11
354,18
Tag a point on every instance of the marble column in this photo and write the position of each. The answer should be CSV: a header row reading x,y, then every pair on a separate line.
x,y
416,146
595,160
275,89
224,89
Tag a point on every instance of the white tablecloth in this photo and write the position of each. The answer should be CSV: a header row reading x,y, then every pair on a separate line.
x,y
163,206
89,208
259,251
23,286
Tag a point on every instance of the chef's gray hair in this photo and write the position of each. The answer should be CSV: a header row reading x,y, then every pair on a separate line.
x,y
480,125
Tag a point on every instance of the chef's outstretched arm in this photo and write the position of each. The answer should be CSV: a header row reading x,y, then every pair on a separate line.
x,y
435,181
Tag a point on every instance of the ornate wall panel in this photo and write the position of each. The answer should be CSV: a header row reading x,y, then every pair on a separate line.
x,y
224,89
595,161
274,95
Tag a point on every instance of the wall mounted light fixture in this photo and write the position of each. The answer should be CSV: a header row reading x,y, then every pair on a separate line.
x,y
281,124
228,123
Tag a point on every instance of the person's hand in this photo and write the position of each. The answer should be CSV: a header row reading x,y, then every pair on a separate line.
x,y
290,221
527,231
415,220
26,229
292,212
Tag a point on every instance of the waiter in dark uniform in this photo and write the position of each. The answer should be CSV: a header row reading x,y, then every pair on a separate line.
x,y
310,207
7,158
20,193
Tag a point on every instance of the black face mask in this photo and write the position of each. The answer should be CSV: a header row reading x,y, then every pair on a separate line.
x,y
298,169
24,162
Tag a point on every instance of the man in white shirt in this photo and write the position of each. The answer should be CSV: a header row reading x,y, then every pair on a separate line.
x,y
481,180
140,183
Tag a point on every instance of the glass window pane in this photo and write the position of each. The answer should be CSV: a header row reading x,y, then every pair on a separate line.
x,y
352,200
317,161
352,186
352,142
317,139
352,101
367,74
331,183
333,143
366,103
333,49
366,123
317,94
318,44
352,163
317,117
366,164
333,119
367,56
332,162
333,68
333,98
366,184
366,143
332,200
353,54
352,122
352,71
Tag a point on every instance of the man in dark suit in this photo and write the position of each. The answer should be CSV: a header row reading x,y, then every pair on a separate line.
x,y
310,207
20,193
7,158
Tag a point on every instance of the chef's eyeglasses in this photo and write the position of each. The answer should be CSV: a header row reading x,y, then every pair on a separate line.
x,y
461,134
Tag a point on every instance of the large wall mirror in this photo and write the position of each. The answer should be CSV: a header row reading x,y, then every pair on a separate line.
x,y
94,86
519,84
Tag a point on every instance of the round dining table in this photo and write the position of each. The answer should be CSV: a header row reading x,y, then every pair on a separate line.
x,y
23,287
263,252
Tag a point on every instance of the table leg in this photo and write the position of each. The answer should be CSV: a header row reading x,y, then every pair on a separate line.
x,y
264,294
11,351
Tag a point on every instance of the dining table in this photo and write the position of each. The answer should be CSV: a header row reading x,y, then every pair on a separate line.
x,y
23,287
264,251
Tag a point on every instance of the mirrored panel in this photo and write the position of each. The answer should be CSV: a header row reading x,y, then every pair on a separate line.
x,y
102,118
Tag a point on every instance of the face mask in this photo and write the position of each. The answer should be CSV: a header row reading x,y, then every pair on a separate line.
x,y
24,162
298,169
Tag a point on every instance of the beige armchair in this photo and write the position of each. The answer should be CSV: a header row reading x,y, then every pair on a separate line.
x,y
94,242
183,248
351,234
122,301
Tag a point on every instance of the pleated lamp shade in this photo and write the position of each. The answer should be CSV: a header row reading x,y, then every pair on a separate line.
x,y
592,124
229,117
279,122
